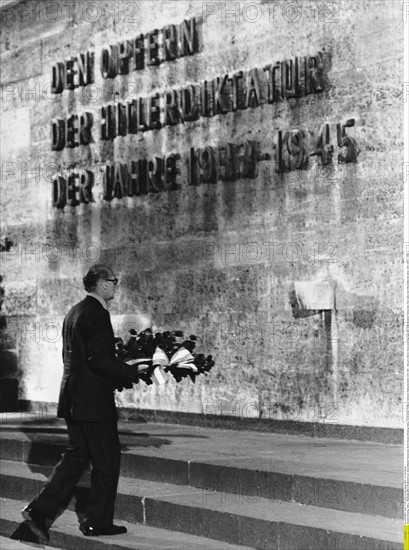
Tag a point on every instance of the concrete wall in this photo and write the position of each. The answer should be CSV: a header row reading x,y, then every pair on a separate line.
x,y
182,256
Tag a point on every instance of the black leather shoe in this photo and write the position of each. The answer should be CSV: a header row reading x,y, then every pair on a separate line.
x,y
37,521
90,531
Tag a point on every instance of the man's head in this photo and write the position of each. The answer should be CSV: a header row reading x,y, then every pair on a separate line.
x,y
101,280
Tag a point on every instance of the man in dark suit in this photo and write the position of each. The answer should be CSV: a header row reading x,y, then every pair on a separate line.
x,y
92,372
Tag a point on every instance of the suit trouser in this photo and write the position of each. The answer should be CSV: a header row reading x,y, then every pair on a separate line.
x,y
97,442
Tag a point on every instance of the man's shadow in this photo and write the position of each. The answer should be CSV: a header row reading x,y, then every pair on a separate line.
x,y
24,533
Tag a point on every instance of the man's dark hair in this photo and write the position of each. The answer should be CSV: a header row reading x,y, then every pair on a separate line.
x,y
95,273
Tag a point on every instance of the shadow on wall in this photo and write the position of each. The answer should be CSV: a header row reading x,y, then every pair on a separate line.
x,y
8,358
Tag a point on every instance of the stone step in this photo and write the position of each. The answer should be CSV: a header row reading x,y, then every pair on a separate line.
x,y
232,518
10,544
357,477
65,535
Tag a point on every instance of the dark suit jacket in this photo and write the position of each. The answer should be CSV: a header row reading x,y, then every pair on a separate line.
x,y
91,369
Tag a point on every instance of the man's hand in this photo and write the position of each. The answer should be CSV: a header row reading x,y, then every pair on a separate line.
x,y
136,376
145,376
124,385
133,374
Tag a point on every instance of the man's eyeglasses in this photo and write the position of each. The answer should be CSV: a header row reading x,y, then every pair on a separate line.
x,y
115,281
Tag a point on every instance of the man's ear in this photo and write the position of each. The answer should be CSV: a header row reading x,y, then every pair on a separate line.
x,y
100,284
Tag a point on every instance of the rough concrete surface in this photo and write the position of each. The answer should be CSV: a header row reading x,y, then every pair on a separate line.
x,y
200,258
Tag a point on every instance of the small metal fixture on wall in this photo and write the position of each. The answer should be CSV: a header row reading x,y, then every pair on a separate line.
x,y
308,298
